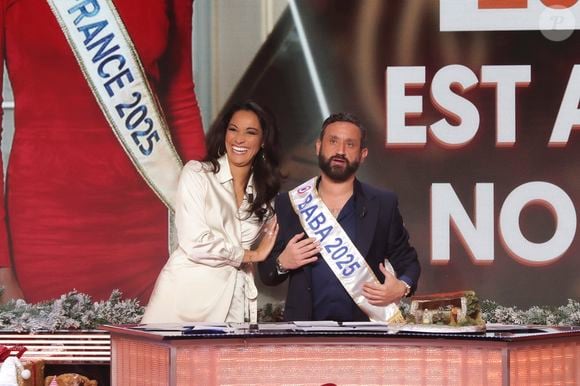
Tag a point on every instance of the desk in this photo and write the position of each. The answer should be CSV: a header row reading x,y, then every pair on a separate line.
x,y
155,355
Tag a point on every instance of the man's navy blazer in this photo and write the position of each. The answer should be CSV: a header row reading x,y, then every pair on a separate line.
x,y
380,234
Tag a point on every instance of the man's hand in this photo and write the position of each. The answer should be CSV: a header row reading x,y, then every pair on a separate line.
x,y
391,291
11,288
299,252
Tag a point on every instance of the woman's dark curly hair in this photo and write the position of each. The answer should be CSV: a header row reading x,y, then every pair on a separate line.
x,y
266,164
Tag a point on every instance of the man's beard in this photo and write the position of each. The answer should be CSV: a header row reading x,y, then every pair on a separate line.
x,y
337,174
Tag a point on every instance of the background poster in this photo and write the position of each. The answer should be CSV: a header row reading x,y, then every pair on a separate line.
x,y
477,85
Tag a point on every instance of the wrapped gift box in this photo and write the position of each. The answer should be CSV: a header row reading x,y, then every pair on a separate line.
x,y
36,367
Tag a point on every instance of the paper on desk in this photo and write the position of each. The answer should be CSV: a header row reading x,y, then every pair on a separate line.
x,y
369,326
318,325
208,328
276,327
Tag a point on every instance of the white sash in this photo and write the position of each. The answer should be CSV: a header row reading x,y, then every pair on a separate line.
x,y
113,70
338,251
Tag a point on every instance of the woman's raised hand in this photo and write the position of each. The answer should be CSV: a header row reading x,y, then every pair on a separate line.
x,y
270,232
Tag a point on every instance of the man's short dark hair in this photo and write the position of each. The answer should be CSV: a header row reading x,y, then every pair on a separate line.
x,y
346,117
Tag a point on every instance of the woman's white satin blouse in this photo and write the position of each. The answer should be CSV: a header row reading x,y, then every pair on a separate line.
x,y
204,279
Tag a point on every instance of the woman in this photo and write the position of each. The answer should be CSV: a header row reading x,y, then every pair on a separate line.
x,y
221,205
76,213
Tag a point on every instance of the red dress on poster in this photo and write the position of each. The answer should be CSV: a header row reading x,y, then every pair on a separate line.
x,y
76,214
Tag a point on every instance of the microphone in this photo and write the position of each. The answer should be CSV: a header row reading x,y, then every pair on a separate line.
x,y
363,212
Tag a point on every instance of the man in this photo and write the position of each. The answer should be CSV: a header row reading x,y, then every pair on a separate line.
x,y
335,235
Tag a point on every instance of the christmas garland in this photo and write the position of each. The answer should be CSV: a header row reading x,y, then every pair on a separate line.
x,y
77,311
73,310
566,315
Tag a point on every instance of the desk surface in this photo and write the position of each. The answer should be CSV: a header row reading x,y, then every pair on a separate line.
x,y
491,332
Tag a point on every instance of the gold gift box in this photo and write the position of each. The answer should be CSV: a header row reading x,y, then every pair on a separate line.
x,y
36,367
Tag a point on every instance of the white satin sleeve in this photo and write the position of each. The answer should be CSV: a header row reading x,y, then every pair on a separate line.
x,y
196,238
